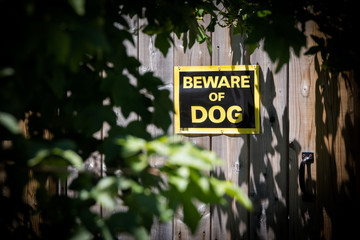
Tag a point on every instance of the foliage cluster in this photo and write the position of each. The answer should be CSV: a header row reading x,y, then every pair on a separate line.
x,y
281,25
64,68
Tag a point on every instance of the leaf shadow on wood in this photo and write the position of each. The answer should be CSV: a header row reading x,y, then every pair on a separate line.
x,y
231,221
266,157
338,160
269,164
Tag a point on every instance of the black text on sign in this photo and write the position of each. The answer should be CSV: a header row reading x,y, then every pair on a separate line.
x,y
216,100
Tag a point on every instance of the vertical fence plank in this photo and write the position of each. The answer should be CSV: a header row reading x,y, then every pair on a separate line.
x,y
152,60
230,222
302,135
131,50
269,153
297,115
323,120
198,55
337,148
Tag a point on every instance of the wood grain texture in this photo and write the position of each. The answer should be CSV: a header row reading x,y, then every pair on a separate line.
x,y
153,60
337,147
323,119
303,108
231,221
302,138
269,153
162,66
198,55
132,51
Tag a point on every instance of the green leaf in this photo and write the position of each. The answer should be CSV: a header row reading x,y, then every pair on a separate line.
x,y
201,36
138,129
106,200
138,163
159,146
117,223
74,159
106,183
191,215
238,29
179,182
60,45
81,233
222,187
263,13
78,6
84,181
140,233
252,47
105,231
162,42
56,157
7,72
105,192
9,122
131,145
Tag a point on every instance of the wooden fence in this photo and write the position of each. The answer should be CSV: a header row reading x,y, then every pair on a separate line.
x,y
303,109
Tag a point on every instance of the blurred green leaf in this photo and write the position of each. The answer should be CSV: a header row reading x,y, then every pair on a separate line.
x,y
56,157
131,145
141,234
105,192
72,62
191,156
81,233
78,6
191,215
222,187
263,13
6,72
180,183
9,122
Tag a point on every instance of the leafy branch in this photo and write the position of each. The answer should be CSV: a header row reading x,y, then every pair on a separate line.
x,y
64,69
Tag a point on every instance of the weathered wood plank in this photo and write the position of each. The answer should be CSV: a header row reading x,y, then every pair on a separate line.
x,y
162,66
198,55
131,50
269,154
337,148
302,138
230,222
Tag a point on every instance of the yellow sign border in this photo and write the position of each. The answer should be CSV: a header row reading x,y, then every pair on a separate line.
x,y
178,69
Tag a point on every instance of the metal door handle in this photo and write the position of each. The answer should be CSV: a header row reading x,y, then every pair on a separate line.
x,y
307,159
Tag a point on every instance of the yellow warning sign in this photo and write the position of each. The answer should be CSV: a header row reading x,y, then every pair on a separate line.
x,y
217,99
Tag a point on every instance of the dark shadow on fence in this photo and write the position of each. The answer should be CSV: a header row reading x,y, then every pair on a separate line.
x,y
233,216
338,166
268,152
268,190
